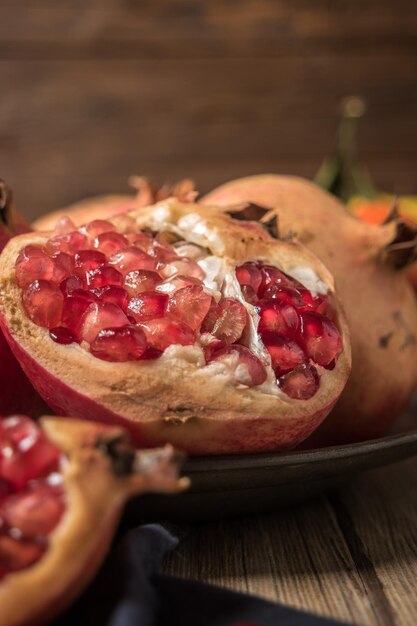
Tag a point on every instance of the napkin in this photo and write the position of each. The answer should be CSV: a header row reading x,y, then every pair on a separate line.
x,y
128,592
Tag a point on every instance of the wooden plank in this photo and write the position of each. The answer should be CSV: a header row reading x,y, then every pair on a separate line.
x,y
94,122
380,510
211,27
297,557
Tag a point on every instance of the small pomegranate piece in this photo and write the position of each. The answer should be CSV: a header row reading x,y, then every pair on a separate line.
x,y
248,369
250,295
164,253
110,243
148,305
127,343
64,266
132,259
320,338
164,332
225,320
301,383
249,275
142,240
25,453
87,260
286,295
43,302
98,316
285,353
278,317
316,303
102,277
141,280
191,305
35,511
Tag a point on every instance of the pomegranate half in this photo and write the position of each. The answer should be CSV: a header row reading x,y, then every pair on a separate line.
x,y
368,263
63,484
179,323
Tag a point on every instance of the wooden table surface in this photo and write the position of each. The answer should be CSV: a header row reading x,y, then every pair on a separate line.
x,y
350,554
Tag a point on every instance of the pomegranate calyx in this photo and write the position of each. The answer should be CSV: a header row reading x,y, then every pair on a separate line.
x,y
11,223
401,250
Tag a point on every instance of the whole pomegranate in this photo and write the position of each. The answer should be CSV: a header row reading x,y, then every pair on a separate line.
x,y
180,323
367,263
63,484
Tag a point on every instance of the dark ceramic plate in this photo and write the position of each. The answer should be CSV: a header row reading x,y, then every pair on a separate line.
x,y
229,486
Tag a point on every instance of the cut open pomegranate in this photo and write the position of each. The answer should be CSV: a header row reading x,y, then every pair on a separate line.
x,y
213,332
62,486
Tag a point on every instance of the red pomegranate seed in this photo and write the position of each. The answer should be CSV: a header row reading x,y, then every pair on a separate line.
x,y
110,243
178,282
62,335
98,316
115,295
316,303
25,452
190,305
225,320
141,280
102,277
250,295
70,243
283,294
64,266
43,302
278,317
148,305
35,511
141,240
64,226
98,227
285,353
247,368
249,274
119,344
88,260
301,383
70,284
75,305
184,266
210,345
164,332
33,264
320,338
18,554
163,253
132,259
273,276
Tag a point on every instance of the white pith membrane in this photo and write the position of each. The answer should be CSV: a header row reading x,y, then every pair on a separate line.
x,y
195,239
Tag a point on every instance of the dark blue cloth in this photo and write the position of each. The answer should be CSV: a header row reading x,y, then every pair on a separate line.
x,y
128,592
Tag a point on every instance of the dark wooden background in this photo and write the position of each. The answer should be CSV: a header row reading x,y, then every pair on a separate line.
x,y
95,90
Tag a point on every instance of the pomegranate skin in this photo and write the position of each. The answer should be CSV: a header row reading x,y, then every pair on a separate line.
x,y
96,487
379,302
17,393
177,397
